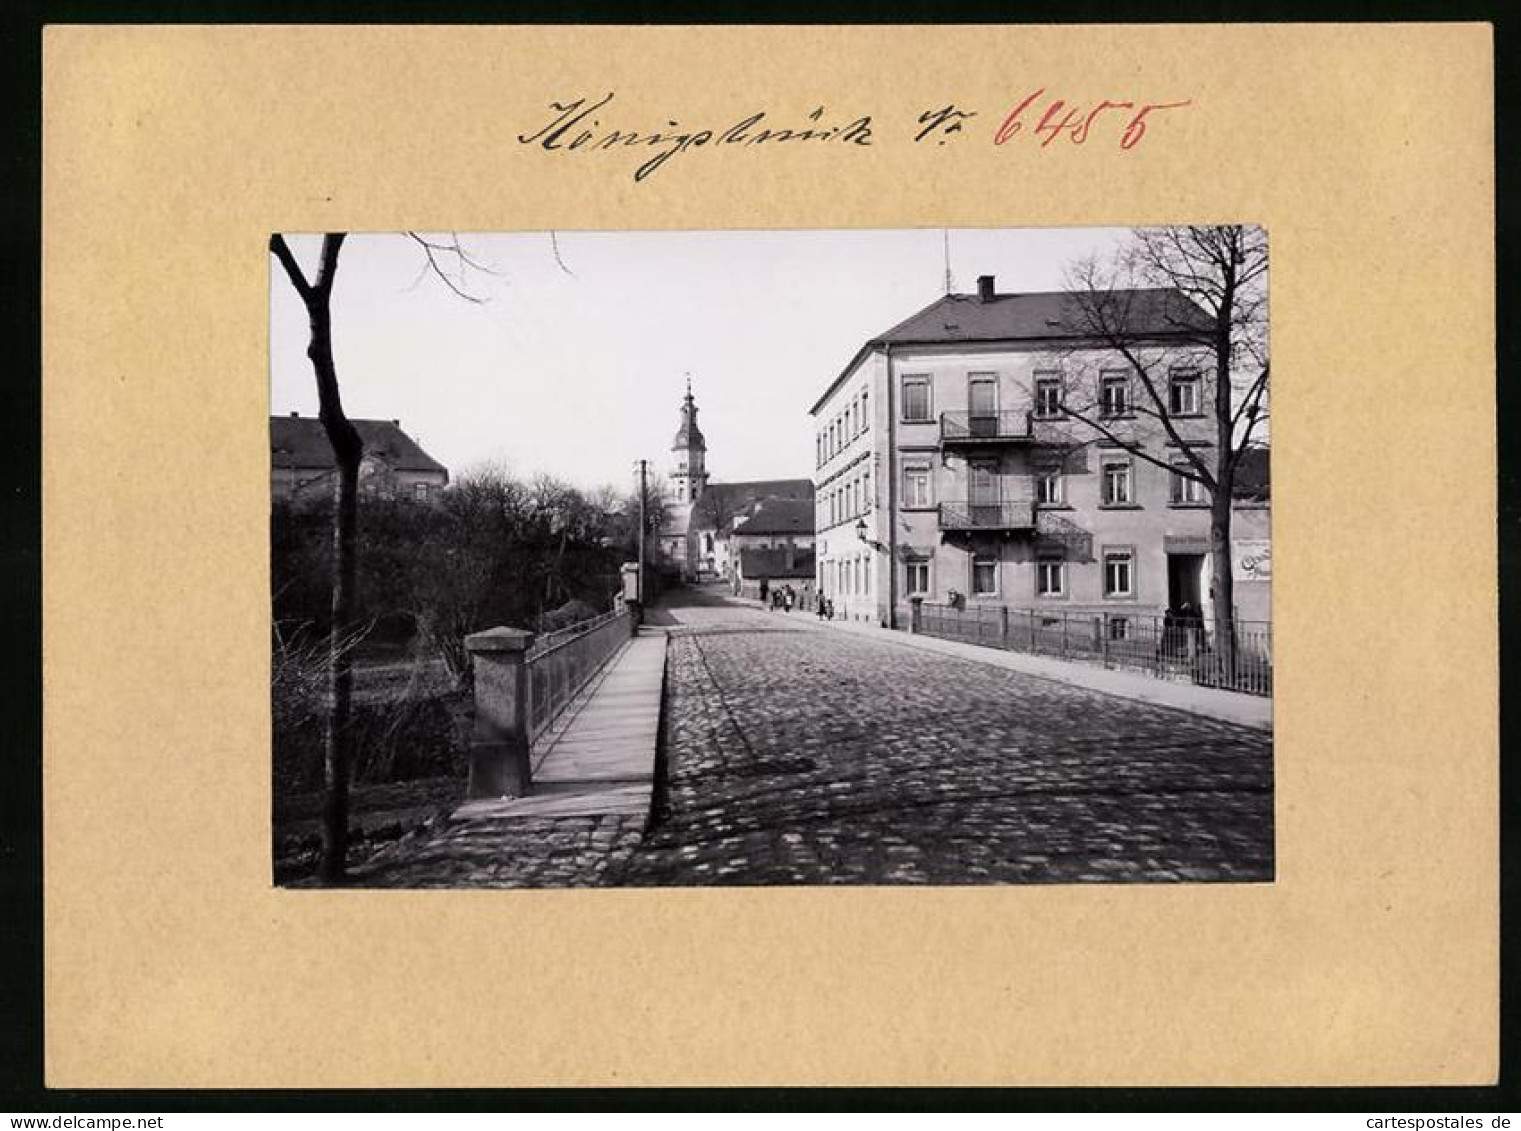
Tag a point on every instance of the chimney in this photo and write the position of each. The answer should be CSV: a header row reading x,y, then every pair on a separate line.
x,y
295,416
397,423
984,288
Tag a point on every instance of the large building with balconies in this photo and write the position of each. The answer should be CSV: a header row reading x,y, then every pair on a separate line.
x,y
988,450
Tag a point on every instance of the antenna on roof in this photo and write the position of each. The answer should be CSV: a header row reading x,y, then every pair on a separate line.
x,y
950,283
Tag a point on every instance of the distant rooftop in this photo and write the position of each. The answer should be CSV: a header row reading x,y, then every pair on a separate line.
x,y
779,516
300,442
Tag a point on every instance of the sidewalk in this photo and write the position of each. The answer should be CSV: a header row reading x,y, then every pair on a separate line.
x,y
603,759
1227,706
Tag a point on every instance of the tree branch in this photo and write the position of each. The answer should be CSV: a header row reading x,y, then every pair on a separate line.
x,y
282,252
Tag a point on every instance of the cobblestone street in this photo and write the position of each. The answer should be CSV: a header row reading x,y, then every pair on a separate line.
x,y
800,754
797,754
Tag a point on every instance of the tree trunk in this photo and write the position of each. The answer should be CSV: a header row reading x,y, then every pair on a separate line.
x,y
1223,584
348,450
338,747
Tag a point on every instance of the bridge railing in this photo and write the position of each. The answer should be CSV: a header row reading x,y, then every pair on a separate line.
x,y
560,664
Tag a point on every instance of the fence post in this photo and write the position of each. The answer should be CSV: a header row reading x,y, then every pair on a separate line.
x,y
1101,639
915,614
1034,649
1003,626
499,764
1064,636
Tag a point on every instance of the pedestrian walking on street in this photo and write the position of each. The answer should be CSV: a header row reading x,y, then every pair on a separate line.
x,y
788,598
821,603
765,591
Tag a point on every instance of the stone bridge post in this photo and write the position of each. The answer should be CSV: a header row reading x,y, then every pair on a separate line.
x,y
499,763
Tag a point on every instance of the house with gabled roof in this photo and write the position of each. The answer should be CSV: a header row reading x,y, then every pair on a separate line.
x,y
969,455
394,465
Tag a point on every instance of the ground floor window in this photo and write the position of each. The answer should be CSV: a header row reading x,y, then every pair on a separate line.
x,y
916,579
1050,578
1119,628
984,576
1119,573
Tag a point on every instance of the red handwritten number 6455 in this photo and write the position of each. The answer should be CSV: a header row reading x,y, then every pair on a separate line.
x,y
1075,124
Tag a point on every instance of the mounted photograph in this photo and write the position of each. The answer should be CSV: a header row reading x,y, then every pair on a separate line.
x,y
816,557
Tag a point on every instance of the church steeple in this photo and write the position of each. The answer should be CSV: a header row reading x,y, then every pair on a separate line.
x,y
689,473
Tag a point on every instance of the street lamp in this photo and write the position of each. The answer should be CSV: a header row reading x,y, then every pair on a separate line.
x,y
861,535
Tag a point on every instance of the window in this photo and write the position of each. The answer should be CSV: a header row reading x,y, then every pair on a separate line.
x,y
863,410
984,576
1048,487
916,398
1119,628
916,485
420,492
866,488
1114,395
1050,578
916,579
1186,491
1183,394
1119,573
1117,485
1048,395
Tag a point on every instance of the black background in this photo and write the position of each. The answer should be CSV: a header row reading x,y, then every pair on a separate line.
x,y
21,910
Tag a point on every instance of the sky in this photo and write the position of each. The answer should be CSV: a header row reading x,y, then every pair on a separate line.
x,y
579,371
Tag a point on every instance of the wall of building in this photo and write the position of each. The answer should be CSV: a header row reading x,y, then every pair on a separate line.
x,y
1079,529
849,454
375,481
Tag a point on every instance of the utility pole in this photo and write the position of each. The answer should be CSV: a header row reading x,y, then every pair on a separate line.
x,y
642,490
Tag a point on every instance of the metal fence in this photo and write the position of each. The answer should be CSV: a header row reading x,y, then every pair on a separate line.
x,y
560,664
1166,647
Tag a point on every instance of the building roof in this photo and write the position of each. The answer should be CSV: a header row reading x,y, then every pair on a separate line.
x,y
721,503
1037,316
300,442
772,564
779,516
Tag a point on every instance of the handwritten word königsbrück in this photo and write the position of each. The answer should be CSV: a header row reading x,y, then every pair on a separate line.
x,y
577,125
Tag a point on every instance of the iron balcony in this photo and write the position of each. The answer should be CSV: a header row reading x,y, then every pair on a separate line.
x,y
1004,515
984,428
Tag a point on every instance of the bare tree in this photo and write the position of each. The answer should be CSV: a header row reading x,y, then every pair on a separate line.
x,y
348,452
1173,368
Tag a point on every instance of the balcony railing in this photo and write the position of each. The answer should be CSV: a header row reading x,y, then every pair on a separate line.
x,y
984,427
1004,515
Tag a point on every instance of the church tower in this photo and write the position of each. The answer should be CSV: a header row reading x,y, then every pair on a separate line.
x,y
689,472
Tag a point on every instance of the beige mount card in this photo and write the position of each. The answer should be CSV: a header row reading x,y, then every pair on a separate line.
x,y
170,156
